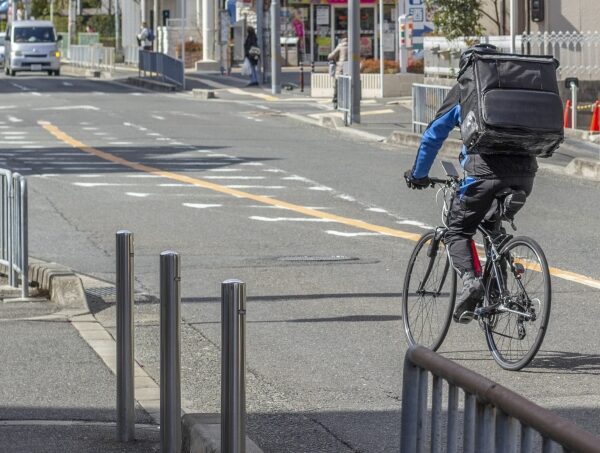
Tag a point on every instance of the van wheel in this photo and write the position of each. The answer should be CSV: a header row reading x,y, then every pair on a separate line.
x,y
13,72
50,73
6,70
57,72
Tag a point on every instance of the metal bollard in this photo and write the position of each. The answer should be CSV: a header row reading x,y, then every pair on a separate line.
x,y
24,239
233,366
312,66
301,77
170,360
125,344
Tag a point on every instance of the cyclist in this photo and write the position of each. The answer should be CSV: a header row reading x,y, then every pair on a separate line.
x,y
484,176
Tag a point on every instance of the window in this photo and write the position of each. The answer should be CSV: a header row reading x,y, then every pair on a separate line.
x,y
34,34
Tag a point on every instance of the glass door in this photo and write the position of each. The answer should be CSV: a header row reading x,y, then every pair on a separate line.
x,y
322,42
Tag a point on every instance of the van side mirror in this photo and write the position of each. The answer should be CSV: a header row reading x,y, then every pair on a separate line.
x,y
59,38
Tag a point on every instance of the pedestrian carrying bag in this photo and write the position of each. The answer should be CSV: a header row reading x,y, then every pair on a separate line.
x,y
246,67
510,104
254,51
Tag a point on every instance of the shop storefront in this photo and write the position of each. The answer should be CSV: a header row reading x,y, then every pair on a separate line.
x,y
320,24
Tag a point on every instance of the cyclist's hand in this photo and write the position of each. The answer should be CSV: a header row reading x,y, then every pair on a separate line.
x,y
416,183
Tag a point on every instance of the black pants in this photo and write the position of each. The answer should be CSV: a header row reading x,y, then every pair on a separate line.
x,y
335,93
468,210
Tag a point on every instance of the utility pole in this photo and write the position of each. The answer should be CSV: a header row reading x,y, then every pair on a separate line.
x,y
275,48
117,26
208,30
513,25
156,24
72,24
354,58
260,16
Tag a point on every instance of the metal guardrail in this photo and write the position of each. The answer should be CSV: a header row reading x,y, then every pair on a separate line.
x,y
426,101
495,418
92,57
14,243
344,97
167,68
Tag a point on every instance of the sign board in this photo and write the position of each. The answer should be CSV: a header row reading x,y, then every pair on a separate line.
x,y
422,20
323,15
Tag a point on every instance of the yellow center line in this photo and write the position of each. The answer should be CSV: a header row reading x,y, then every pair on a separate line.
x,y
360,224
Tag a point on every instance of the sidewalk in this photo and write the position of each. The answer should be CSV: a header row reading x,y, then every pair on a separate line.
x,y
57,394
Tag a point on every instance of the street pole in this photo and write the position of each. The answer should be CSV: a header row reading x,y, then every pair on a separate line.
x,y
260,15
143,10
513,25
117,27
182,31
208,30
71,25
354,58
275,48
156,24
52,11
381,56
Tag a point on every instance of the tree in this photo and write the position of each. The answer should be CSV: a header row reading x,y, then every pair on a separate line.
x,y
456,18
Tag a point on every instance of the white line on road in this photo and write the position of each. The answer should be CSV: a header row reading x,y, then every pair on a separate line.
x,y
296,178
290,219
90,128
351,235
225,169
254,187
7,107
120,143
176,185
415,223
137,194
383,211
21,143
234,177
253,164
99,184
14,137
70,107
321,188
201,206
346,197
20,87
143,176
14,119
158,117
12,133
67,84
90,176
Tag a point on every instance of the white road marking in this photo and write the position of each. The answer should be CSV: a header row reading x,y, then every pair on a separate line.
x,y
143,175
7,107
172,184
153,134
290,219
255,164
296,178
90,128
67,84
35,93
201,206
415,223
99,184
158,117
254,187
219,155
70,107
21,143
120,143
100,133
225,169
351,235
20,87
137,194
177,144
135,94
45,175
272,170
14,137
346,197
383,211
234,177
12,133
89,176
14,119
321,188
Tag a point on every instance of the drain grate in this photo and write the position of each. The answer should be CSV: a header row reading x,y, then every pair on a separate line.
x,y
319,259
105,291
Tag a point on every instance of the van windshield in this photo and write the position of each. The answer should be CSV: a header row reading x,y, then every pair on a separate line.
x,y
34,34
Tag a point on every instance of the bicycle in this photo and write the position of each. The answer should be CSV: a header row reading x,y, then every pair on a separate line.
x,y
515,310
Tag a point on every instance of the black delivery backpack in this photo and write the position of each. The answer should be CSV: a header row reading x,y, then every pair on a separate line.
x,y
510,104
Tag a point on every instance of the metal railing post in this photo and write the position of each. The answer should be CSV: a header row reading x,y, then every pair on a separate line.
x,y
10,223
170,361
233,366
125,343
24,221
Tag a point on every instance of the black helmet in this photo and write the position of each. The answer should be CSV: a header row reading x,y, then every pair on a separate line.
x,y
482,48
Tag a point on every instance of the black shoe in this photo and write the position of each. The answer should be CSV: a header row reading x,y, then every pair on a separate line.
x,y
252,84
472,294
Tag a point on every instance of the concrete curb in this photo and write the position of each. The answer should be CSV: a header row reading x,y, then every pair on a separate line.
x,y
203,94
67,69
154,85
585,168
450,148
201,433
60,282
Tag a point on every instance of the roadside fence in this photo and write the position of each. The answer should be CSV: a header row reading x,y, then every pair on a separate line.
x,y
494,417
14,233
93,57
344,97
426,100
160,65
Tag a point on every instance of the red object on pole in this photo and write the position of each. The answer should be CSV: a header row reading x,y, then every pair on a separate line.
x,y
567,114
595,123
476,262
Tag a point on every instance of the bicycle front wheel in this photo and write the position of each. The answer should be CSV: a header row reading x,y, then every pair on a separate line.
x,y
515,332
428,294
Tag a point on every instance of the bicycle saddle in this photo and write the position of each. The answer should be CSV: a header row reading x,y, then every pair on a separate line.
x,y
510,202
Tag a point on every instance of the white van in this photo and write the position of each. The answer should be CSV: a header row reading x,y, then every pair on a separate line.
x,y
31,45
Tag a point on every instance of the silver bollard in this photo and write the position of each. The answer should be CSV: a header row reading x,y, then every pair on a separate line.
x,y
24,239
125,344
170,361
233,366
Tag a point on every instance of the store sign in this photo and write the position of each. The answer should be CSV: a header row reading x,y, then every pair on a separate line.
x,y
421,19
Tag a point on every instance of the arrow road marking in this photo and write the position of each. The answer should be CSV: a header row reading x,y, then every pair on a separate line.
x,y
326,216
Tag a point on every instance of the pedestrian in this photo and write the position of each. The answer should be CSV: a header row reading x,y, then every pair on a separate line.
x,y
252,54
145,37
338,57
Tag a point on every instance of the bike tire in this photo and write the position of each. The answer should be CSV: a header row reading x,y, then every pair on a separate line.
x,y
419,310
535,283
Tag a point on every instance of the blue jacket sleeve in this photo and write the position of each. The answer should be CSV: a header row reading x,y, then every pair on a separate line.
x,y
433,139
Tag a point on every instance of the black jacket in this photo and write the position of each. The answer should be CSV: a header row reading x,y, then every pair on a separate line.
x,y
251,41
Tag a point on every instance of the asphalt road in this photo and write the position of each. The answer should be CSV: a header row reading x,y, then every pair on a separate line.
x,y
325,343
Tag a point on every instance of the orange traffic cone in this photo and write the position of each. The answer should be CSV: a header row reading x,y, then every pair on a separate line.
x,y
567,114
595,123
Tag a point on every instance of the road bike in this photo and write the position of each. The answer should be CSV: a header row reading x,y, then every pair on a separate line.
x,y
515,310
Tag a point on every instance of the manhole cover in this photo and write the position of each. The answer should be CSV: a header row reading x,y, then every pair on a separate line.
x,y
310,258
106,291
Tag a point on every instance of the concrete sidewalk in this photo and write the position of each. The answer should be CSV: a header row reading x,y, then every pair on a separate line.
x,y
57,394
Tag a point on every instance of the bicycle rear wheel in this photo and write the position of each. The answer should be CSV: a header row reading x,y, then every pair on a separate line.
x,y
428,295
513,338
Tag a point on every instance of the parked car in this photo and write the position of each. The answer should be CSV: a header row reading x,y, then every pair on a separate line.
x,y
31,45
1,50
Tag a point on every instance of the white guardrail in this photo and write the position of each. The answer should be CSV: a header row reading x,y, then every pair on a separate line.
x,y
92,57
